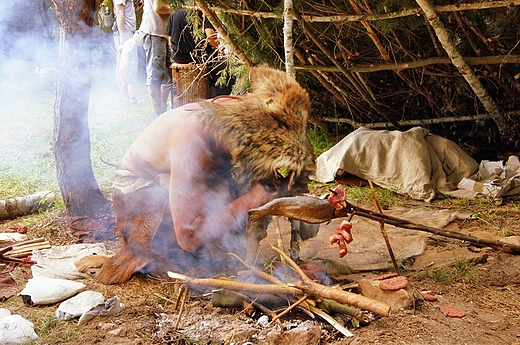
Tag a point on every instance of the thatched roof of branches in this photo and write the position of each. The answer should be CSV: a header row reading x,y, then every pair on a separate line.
x,y
454,68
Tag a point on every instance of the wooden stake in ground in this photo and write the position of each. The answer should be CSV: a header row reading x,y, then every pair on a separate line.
x,y
383,231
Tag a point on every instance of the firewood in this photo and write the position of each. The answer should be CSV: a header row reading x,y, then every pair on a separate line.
x,y
310,287
25,248
305,287
236,286
20,206
333,307
13,253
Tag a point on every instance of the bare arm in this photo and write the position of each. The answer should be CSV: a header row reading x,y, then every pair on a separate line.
x,y
161,8
201,214
120,21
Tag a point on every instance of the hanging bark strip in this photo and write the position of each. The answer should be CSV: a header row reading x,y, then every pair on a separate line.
x,y
314,210
465,70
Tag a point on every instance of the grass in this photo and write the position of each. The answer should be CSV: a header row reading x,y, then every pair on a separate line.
x,y
461,270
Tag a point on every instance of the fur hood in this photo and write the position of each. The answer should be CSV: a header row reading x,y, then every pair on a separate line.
x,y
266,132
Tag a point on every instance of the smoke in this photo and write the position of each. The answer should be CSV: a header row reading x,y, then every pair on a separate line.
x,y
29,53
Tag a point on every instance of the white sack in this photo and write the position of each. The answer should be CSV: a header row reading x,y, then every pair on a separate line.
x,y
44,290
14,329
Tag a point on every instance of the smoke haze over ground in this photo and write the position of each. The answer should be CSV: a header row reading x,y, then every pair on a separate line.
x,y
28,58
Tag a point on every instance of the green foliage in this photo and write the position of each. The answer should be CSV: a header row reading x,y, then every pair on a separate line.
x,y
461,270
320,140
385,197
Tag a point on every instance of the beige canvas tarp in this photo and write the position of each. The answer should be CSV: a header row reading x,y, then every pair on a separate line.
x,y
414,163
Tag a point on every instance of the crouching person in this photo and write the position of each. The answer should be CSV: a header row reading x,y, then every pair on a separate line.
x,y
184,187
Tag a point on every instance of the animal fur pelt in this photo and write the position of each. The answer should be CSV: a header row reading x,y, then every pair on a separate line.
x,y
266,130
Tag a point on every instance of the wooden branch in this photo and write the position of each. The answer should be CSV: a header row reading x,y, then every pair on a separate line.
x,y
481,60
312,288
315,210
23,205
462,66
334,307
236,286
375,17
362,92
418,122
223,32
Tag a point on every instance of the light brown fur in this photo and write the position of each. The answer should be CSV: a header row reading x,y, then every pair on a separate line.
x,y
208,163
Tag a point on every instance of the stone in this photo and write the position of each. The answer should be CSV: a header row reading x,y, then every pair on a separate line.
x,y
399,299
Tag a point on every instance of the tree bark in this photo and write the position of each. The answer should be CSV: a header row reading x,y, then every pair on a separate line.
x,y
19,206
465,70
71,139
287,37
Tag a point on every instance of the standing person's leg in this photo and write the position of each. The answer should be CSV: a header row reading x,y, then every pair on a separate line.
x,y
155,52
119,78
167,87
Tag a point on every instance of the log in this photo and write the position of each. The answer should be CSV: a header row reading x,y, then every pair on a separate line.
x,y
23,205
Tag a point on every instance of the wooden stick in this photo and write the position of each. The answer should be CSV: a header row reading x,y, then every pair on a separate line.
x,y
310,287
382,227
314,210
332,321
259,273
237,286
288,309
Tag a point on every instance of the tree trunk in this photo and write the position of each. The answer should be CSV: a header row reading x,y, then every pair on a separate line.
x,y
287,37
71,139
458,61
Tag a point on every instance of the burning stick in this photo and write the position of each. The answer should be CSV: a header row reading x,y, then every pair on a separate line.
x,y
314,289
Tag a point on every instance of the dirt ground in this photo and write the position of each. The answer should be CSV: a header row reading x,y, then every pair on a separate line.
x,y
488,292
